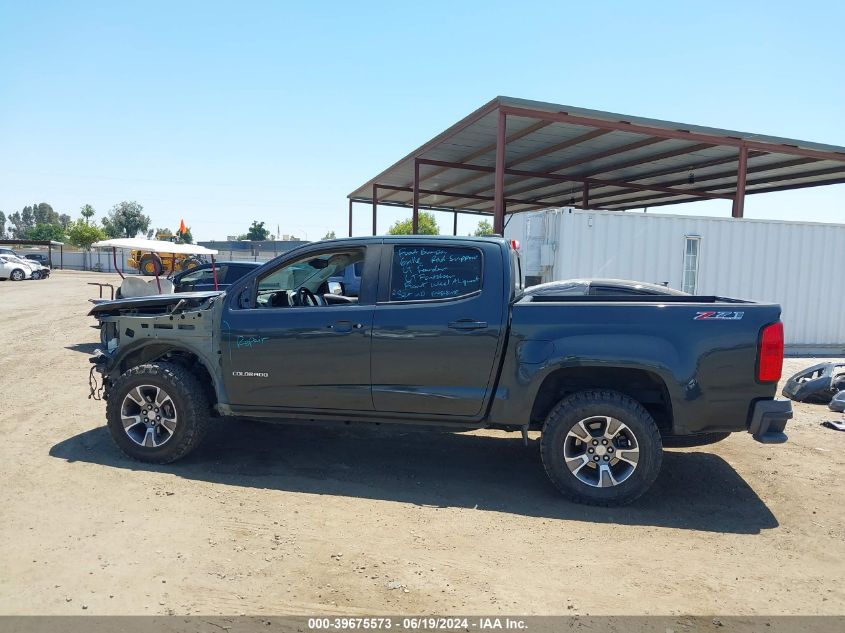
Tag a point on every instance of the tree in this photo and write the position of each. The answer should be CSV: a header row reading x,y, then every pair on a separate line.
x,y
257,232
126,219
64,221
53,232
87,212
27,221
427,225
43,213
187,237
2,225
484,228
16,225
82,234
330,236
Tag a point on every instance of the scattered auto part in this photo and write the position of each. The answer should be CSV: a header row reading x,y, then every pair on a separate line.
x,y
837,403
815,384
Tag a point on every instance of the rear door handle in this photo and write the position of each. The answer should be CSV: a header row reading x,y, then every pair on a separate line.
x,y
468,324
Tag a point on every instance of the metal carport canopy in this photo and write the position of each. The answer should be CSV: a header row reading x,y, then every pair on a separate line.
x,y
514,155
48,243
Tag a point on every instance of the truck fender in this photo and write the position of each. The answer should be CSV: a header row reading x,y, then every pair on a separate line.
x,y
144,350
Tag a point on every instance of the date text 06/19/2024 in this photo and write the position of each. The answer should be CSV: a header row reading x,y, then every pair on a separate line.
x,y
427,623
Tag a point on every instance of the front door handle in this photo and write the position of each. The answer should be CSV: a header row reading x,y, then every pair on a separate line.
x,y
468,324
344,326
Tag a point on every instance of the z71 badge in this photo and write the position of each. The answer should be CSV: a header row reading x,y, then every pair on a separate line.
x,y
718,316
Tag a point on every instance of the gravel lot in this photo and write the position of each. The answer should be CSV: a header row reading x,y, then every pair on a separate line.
x,y
285,519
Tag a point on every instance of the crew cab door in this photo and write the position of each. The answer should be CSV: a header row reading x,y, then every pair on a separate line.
x,y
279,354
437,327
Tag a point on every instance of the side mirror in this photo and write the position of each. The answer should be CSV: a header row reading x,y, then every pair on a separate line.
x,y
335,288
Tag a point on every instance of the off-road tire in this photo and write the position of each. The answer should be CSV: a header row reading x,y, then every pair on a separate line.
x,y
189,263
689,441
584,404
189,398
17,275
150,265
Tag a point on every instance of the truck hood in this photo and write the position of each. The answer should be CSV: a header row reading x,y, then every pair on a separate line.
x,y
154,303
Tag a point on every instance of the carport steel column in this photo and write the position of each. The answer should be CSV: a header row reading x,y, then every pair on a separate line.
x,y
499,191
375,204
415,218
742,170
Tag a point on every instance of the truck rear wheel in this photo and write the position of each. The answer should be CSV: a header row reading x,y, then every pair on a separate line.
x,y
601,448
158,412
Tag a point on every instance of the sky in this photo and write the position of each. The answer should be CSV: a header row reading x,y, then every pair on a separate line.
x,y
222,113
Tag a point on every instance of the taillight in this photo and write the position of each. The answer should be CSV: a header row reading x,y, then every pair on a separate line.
x,y
514,245
770,353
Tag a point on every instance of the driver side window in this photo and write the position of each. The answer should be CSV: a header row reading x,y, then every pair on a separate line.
x,y
313,280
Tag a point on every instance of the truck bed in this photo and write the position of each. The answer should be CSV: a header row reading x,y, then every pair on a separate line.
x,y
700,352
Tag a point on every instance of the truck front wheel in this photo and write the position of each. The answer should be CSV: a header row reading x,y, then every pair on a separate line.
x,y
157,412
151,265
601,448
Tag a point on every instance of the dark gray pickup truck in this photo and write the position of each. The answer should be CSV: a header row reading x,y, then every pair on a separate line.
x,y
440,334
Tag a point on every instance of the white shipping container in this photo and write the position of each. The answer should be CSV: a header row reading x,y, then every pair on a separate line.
x,y
795,264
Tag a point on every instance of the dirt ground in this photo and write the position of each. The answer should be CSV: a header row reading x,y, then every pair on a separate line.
x,y
288,519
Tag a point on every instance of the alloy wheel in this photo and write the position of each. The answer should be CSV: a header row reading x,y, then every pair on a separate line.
x,y
149,416
601,451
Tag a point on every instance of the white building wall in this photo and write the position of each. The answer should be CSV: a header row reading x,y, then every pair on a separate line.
x,y
795,264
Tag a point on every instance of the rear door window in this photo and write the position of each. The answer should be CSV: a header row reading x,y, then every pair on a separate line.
x,y
432,273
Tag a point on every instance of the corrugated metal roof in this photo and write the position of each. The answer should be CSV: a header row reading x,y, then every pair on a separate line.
x,y
628,162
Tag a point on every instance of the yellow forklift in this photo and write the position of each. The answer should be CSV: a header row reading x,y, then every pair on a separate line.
x,y
152,264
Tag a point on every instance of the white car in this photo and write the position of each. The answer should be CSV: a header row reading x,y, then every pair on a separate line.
x,y
14,268
39,270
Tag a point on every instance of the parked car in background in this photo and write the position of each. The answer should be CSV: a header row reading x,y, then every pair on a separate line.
x,y
14,268
9,251
597,287
39,271
41,258
350,277
202,278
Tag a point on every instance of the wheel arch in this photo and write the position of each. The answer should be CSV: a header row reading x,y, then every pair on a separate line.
x,y
645,386
164,351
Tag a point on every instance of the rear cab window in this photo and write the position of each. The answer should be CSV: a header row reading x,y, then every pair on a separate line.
x,y
434,273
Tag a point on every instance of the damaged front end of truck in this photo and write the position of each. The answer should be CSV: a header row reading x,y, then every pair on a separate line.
x,y
176,328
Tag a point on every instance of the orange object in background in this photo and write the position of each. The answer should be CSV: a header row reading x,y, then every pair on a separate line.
x,y
182,228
